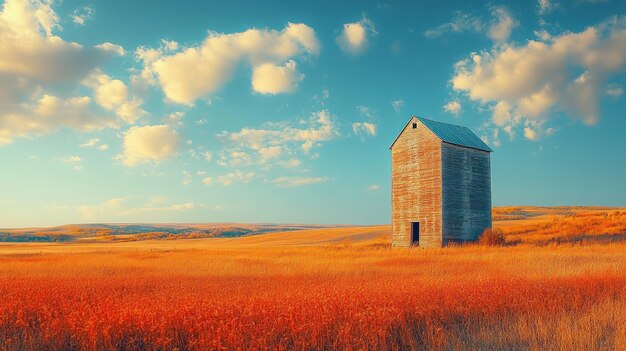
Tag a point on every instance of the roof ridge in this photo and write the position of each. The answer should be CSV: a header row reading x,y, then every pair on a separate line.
x,y
451,133
440,122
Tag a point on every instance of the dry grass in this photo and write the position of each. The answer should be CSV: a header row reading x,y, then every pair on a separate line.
x,y
546,225
346,289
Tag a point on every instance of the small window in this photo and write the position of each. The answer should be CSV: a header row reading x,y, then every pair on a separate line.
x,y
414,125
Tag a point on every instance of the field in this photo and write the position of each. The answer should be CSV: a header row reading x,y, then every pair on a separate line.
x,y
559,284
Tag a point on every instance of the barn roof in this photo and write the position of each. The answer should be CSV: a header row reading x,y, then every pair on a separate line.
x,y
452,134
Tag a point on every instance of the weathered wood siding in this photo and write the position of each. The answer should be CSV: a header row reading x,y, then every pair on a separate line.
x,y
466,176
416,186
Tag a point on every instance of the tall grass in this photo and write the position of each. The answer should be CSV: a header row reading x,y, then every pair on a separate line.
x,y
360,296
544,225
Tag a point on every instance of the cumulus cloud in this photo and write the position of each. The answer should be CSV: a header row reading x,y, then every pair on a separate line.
x,y
290,182
113,94
354,36
49,113
29,48
278,141
526,85
498,28
364,128
454,107
33,62
187,74
149,143
269,78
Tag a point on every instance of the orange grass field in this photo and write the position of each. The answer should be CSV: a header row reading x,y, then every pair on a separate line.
x,y
326,289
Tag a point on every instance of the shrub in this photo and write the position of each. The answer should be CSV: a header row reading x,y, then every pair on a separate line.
x,y
492,237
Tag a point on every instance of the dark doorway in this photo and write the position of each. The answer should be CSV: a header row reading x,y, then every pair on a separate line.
x,y
415,233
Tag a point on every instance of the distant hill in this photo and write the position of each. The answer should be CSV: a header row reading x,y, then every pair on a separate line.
x,y
524,224
104,232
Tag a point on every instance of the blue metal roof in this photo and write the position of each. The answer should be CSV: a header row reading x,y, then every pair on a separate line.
x,y
454,134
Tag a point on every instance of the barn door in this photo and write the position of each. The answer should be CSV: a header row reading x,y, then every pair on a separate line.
x,y
415,233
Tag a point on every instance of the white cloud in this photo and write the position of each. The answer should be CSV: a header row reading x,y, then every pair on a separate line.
x,y
233,157
149,143
74,161
542,35
82,14
307,145
545,6
175,118
208,180
367,112
49,113
373,188
354,36
290,182
364,128
113,94
498,28
460,23
207,156
291,163
397,104
525,85
530,133
190,73
277,140
90,143
187,178
34,62
44,57
232,178
454,107
270,152
94,142
615,90
495,139
501,28
229,178
269,78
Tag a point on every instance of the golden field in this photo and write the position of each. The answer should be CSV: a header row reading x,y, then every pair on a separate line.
x,y
339,288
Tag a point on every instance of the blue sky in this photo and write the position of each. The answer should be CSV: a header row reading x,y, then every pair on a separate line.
x,y
114,111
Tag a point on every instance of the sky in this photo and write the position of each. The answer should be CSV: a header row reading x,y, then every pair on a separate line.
x,y
240,111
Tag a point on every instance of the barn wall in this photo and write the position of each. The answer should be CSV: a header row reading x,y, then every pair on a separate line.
x,y
416,186
466,176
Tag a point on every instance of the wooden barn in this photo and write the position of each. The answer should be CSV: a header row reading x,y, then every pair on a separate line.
x,y
440,184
